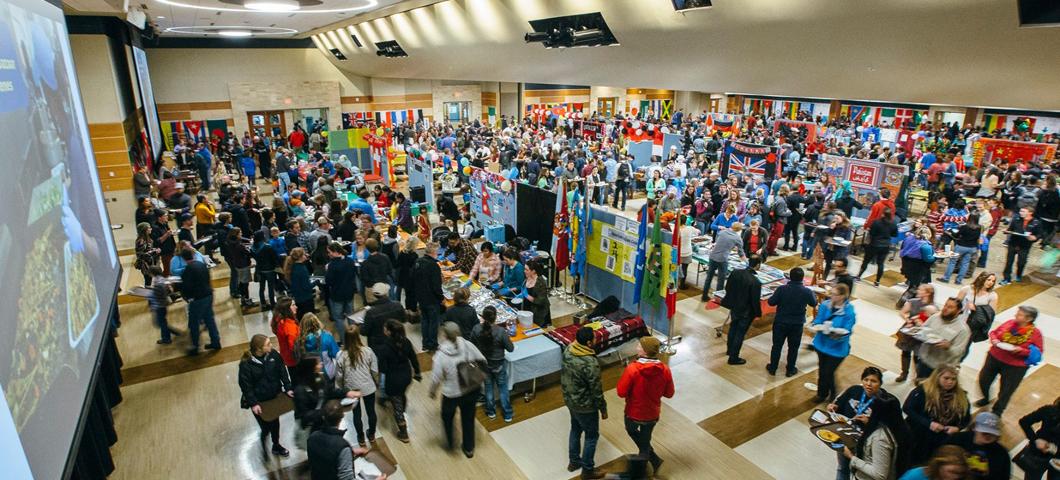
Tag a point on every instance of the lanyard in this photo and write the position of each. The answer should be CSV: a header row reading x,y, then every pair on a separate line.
x,y
863,405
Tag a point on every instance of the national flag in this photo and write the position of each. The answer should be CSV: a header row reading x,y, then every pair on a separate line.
x,y
791,110
902,116
485,200
642,252
561,229
745,164
194,130
657,138
167,135
178,131
995,122
653,270
584,230
856,113
753,106
767,106
918,117
1024,124
674,269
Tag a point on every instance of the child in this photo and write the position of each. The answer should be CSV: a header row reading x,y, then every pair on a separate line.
x,y
159,302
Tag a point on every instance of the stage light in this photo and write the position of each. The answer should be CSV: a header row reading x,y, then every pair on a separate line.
x,y
534,37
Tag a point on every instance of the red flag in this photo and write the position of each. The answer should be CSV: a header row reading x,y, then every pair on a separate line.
x,y
485,200
561,230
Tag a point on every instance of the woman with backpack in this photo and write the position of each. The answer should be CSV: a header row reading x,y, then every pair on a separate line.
x,y
358,370
492,340
314,340
457,372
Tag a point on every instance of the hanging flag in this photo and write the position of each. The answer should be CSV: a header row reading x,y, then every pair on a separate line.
x,y
584,230
167,135
642,252
653,281
749,158
675,269
194,130
561,229
902,116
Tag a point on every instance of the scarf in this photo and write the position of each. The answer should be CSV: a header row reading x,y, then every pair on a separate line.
x,y
1017,335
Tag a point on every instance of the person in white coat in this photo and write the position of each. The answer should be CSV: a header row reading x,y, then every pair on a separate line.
x,y
453,351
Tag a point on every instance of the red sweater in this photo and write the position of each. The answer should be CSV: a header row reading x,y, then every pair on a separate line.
x,y
877,211
286,334
643,385
1009,332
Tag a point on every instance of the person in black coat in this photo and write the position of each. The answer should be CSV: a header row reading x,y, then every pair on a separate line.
x,y
791,228
461,313
427,286
382,310
196,289
743,292
162,235
879,243
406,260
398,366
1047,436
1024,229
311,389
376,268
791,300
263,376
341,279
330,455
238,257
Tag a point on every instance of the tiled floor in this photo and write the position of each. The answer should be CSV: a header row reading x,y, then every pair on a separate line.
x,y
724,421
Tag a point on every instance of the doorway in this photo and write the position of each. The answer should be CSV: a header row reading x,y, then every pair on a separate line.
x,y
309,118
267,124
715,105
457,112
605,106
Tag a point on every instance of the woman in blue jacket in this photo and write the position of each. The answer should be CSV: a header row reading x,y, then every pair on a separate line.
x,y
832,347
297,273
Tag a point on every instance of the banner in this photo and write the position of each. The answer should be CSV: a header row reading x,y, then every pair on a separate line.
x,y
893,176
749,159
863,174
724,123
793,129
490,203
988,149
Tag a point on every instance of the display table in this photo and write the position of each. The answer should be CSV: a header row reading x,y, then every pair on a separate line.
x,y
533,357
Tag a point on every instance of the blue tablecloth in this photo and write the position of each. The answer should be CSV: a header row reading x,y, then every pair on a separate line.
x,y
532,358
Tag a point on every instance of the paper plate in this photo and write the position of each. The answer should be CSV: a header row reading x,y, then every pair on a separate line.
x,y
1006,346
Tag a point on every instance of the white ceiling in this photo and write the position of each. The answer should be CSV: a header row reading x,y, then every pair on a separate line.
x,y
958,52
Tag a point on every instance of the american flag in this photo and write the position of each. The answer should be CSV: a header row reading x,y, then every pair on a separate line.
x,y
747,164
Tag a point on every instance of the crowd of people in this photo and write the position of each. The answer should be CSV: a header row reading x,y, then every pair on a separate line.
x,y
311,245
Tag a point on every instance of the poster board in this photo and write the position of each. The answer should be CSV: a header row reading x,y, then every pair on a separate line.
x,y
863,174
420,174
600,283
866,176
614,247
490,205
988,149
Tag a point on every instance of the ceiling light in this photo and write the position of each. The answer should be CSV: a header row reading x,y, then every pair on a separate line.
x,y
535,37
235,33
160,17
272,5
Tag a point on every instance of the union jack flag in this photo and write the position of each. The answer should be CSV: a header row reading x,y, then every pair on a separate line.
x,y
747,164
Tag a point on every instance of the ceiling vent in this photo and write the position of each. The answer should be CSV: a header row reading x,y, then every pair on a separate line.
x,y
686,5
585,30
357,41
338,54
390,49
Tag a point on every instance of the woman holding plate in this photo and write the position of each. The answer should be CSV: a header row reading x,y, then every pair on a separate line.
x,y
834,324
856,404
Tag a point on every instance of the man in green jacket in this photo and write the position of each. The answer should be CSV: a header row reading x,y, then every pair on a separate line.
x,y
584,396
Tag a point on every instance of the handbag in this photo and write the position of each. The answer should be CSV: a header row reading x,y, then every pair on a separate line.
x,y
1030,459
470,374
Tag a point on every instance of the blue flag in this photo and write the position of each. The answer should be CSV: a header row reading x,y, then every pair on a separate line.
x,y
642,253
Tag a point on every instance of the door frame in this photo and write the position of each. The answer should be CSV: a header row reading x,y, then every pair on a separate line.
x,y
269,125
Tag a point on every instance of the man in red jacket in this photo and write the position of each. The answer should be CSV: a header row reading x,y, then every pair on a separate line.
x,y
643,385
883,203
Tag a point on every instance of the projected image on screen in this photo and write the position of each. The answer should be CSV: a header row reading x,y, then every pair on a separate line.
x,y
59,266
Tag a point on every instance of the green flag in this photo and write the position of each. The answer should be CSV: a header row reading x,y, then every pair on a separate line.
x,y
653,267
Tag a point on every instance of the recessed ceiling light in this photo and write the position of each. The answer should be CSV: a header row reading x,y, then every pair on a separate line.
x,y
272,5
359,5
160,17
234,33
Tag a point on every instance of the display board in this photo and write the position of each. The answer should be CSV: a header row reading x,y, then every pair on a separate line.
x,y
490,204
147,94
613,248
534,211
351,143
420,174
749,159
601,282
865,176
60,271
988,149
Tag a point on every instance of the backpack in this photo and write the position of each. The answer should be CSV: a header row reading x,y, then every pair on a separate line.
x,y
623,170
1028,197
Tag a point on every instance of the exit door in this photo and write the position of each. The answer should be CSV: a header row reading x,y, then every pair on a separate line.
x,y
605,106
267,124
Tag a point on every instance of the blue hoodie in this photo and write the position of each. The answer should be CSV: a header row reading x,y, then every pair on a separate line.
x,y
836,347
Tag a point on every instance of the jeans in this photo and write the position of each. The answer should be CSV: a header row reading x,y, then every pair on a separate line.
x,y
722,271
498,377
200,310
640,432
466,404
430,317
790,333
808,245
589,425
842,471
1021,261
267,280
827,365
877,255
984,252
284,179
339,310
1011,377
233,282
737,331
395,292
964,256
368,404
791,234
703,227
620,189
161,323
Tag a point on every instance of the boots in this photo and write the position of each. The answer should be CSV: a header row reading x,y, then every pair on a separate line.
x,y
403,432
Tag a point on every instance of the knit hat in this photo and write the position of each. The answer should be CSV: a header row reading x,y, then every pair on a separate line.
x,y
650,345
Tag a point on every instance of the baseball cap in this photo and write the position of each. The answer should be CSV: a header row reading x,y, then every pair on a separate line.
x,y
988,422
380,289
